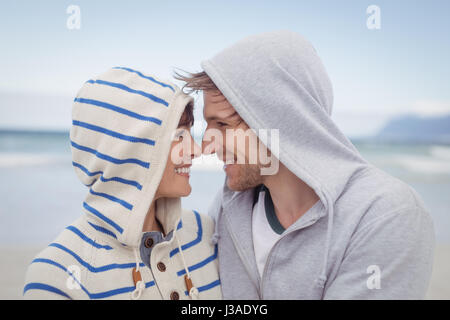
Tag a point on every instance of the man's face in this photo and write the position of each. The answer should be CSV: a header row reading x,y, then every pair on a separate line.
x,y
222,117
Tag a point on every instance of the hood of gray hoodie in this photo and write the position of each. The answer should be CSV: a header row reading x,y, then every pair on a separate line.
x,y
277,80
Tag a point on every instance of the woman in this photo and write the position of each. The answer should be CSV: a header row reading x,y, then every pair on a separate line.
x,y
134,240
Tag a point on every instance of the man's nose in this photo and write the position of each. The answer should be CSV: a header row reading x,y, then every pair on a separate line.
x,y
208,147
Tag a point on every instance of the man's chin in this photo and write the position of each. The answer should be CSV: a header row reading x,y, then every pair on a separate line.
x,y
233,186
239,185
242,177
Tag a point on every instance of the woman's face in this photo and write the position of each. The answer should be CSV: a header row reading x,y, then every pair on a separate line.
x,y
175,179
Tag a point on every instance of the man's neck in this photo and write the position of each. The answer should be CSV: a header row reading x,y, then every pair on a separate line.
x,y
291,197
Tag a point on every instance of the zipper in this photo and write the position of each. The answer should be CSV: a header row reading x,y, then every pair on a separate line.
x,y
261,289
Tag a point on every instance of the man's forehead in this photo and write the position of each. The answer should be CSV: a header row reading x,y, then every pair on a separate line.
x,y
216,106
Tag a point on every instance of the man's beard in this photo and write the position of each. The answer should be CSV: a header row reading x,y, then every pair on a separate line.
x,y
246,176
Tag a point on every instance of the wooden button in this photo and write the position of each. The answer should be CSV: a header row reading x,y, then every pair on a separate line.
x,y
148,243
174,296
161,266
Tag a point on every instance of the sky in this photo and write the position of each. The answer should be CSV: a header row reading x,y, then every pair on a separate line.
x,y
402,67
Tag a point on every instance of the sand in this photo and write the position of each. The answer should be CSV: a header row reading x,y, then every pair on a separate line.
x,y
440,279
14,262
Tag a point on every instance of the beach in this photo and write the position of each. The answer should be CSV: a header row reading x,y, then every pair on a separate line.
x,y
15,261
41,195
440,280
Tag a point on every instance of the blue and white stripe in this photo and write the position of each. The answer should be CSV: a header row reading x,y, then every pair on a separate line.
x,y
111,159
121,110
120,283
128,89
162,84
103,179
112,133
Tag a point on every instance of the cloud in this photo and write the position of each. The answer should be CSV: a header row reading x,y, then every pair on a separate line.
x,y
429,108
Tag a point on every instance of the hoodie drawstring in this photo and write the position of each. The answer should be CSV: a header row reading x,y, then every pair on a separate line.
x,y
137,278
140,286
192,290
320,281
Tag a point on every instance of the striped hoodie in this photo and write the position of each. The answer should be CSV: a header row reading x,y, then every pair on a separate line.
x,y
120,138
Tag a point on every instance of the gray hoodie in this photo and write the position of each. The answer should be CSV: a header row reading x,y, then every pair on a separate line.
x,y
370,237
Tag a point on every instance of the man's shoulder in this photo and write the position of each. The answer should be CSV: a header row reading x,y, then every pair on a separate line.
x,y
374,194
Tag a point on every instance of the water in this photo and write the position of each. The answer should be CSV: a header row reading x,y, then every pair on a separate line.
x,y
40,193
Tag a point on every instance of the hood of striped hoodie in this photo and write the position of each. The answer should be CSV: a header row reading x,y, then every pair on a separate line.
x,y
122,129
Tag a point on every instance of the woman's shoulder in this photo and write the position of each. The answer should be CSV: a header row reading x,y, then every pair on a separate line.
x,y
197,222
49,273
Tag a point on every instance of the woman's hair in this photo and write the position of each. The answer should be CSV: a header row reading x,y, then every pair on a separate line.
x,y
187,118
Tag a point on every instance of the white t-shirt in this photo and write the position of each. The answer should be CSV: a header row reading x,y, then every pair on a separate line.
x,y
266,227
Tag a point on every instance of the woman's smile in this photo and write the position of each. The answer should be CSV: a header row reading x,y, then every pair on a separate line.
x,y
183,170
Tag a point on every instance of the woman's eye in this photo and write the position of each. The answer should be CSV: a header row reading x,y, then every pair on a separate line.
x,y
221,124
179,135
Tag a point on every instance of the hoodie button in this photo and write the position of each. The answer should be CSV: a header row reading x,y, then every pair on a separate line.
x,y
148,242
174,296
161,266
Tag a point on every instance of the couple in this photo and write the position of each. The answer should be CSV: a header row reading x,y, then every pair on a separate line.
x,y
326,225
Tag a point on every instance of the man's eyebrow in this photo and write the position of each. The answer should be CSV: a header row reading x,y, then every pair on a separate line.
x,y
215,118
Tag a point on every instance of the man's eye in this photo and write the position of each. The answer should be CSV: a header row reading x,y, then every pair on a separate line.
x,y
221,124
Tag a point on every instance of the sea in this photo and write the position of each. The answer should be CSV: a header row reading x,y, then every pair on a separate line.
x,y
40,193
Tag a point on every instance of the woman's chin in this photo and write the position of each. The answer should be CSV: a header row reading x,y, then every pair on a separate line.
x,y
186,192
178,192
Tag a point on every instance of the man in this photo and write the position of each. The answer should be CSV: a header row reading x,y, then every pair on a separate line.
x,y
327,224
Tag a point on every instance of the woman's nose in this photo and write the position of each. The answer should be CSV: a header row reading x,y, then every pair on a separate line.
x,y
196,150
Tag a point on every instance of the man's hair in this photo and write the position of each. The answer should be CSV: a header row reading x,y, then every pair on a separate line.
x,y
187,118
196,81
